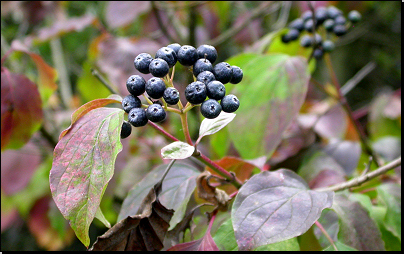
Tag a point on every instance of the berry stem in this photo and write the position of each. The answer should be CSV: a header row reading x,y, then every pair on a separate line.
x,y
187,107
348,110
184,123
147,99
326,235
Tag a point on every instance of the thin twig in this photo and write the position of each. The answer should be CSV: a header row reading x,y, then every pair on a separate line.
x,y
318,224
102,80
350,84
51,140
315,44
363,178
160,22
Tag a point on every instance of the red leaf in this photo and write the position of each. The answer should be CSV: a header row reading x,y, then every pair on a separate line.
x,y
21,109
206,243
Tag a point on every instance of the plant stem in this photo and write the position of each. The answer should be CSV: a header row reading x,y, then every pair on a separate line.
x,y
185,129
318,224
363,178
95,73
160,21
348,110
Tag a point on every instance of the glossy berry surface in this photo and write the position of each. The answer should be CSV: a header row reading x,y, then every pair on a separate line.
x,y
318,54
137,117
136,85
171,96
329,25
155,87
237,75
142,62
202,65
307,15
333,12
168,55
297,24
230,103
210,51
205,77
340,20
354,16
215,90
328,46
155,113
175,47
126,130
159,67
210,108
223,72
130,102
187,55
339,30
320,14
306,41
308,25
195,92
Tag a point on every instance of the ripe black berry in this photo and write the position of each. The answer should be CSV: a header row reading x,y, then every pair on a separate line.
x,y
136,85
142,62
155,87
137,117
339,30
237,75
308,25
318,54
210,51
329,25
297,24
230,103
130,102
171,96
223,72
354,16
155,113
320,14
195,92
187,55
293,34
175,47
202,65
328,46
306,41
159,67
210,108
307,15
168,55
340,20
333,12
126,130
318,38
215,90
205,77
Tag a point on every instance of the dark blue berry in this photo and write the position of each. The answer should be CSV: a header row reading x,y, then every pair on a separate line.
x,y
308,25
339,30
155,87
142,62
155,113
175,47
340,20
137,117
307,15
230,103
215,90
320,14
297,24
210,108
237,75
210,51
306,41
159,67
223,72
202,65
354,16
136,85
195,92
333,12
130,102
168,55
171,96
205,77
329,25
328,46
187,55
318,54
126,130
318,38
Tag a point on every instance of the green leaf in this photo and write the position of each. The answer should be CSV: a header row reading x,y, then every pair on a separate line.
x,y
340,246
83,165
224,237
177,150
211,126
99,215
274,206
390,195
271,93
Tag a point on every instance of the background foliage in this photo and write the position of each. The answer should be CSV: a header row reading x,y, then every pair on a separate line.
x,y
58,44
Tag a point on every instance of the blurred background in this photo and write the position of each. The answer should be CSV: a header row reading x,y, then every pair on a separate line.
x,y
58,44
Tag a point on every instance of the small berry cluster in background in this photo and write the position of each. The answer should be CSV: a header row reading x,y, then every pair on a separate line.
x,y
207,89
328,20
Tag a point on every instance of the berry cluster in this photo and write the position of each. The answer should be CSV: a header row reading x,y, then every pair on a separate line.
x,y
330,18
207,89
